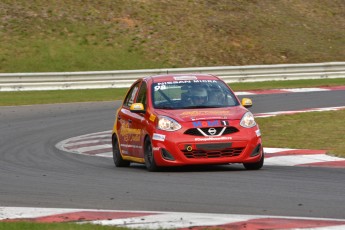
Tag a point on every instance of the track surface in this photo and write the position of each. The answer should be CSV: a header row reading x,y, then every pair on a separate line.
x,y
33,173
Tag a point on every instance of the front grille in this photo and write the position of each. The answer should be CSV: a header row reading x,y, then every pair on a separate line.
x,y
196,132
229,152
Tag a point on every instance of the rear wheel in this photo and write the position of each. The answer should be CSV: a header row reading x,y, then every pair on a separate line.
x,y
118,160
149,158
256,165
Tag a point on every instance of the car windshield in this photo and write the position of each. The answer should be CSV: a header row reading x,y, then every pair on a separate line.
x,y
191,94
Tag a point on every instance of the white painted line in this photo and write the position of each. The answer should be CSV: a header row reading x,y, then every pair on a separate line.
x,y
306,90
107,154
92,148
21,212
175,220
82,142
276,150
244,93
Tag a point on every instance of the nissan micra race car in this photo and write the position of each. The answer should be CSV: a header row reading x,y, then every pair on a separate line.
x,y
176,120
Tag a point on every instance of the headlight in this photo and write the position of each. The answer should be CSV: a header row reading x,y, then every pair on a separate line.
x,y
168,124
247,120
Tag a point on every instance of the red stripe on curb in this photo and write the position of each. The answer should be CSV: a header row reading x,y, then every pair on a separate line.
x,y
295,152
72,147
271,223
341,87
98,151
270,91
80,216
89,139
333,164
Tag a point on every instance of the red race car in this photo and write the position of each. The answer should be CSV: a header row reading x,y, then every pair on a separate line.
x,y
194,119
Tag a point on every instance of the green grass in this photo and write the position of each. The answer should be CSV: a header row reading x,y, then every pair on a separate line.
x,y
60,55
37,36
54,226
314,130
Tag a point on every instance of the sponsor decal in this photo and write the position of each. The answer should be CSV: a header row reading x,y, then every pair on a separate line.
x,y
184,80
205,113
129,134
163,85
225,123
213,139
206,123
207,81
155,148
125,130
210,123
131,146
258,133
158,137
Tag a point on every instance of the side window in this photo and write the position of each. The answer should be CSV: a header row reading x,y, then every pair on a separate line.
x,y
129,100
142,94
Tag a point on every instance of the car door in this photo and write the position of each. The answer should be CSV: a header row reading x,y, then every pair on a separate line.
x,y
139,122
124,121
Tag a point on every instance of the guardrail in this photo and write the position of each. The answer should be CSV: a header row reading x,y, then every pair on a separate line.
x,y
124,78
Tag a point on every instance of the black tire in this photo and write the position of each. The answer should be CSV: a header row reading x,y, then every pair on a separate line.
x,y
118,160
149,158
256,165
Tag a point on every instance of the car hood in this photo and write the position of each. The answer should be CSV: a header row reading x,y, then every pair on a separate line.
x,y
229,113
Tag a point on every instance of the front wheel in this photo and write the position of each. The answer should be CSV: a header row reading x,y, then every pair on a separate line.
x,y
118,160
256,165
149,158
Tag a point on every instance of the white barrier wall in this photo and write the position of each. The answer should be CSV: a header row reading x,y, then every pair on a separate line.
x,y
124,78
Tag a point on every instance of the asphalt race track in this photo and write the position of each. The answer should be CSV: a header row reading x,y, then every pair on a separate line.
x,y
33,173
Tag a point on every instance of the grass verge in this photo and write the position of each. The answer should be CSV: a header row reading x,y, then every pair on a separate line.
x,y
314,130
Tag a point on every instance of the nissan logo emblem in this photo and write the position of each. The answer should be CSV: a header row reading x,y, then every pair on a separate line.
x,y
212,131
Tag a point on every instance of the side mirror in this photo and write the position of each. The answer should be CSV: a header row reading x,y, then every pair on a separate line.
x,y
247,102
137,108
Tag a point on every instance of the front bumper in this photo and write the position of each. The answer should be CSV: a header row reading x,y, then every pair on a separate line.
x,y
177,150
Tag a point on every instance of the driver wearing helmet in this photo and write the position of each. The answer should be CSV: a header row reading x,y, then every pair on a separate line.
x,y
199,96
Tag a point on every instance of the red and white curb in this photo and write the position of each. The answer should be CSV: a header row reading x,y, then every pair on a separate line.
x,y
272,114
99,144
165,220
301,157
